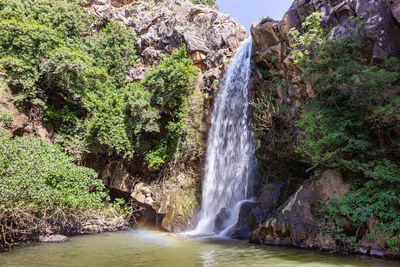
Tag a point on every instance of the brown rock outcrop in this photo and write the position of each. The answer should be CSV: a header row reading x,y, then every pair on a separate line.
x,y
271,43
395,9
294,223
265,205
30,123
210,37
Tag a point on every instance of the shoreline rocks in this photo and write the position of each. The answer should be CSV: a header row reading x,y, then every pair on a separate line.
x,y
53,238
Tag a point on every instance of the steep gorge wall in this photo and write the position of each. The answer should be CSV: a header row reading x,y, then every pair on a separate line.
x,y
211,39
287,209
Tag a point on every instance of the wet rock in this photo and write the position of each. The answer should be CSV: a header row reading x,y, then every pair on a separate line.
x,y
221,218
372,240
243,229
377,252
294,223
264,206
52,239
179,207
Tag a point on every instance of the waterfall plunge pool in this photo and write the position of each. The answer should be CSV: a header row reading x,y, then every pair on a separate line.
x,y
148,249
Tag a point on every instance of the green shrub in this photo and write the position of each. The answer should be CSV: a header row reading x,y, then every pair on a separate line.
x,y
109,125
171,85
66,17
51,58
114,49
7,119
23,46
36,36
351,125
39,175
205,2
146,118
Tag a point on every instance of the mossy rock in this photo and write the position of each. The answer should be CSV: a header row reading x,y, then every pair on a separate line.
x,y
182,207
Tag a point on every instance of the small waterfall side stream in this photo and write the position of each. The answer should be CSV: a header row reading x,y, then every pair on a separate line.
x,y
230,160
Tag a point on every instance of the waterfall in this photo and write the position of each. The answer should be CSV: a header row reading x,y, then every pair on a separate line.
x,y
230,160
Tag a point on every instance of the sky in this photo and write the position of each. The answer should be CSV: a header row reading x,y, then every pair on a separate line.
x,y
248,11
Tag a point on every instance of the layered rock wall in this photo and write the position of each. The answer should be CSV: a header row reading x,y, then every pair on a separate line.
x,y
271,41
291,220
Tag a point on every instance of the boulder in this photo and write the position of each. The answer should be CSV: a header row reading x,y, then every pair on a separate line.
x,y
265,34
116,176
264,206
142,193
53,238
290,20
221,218
294,223
242,228
395,9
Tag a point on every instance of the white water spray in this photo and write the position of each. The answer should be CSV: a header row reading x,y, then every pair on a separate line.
x,y
230,160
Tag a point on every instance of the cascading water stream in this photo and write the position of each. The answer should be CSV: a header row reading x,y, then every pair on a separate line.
x,y
230,160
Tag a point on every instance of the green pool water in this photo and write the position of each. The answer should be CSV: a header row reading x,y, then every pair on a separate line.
x,y
144,248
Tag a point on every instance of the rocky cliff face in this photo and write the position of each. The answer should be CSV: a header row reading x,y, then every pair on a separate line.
x,y
271,41
286,211
211,38
294,223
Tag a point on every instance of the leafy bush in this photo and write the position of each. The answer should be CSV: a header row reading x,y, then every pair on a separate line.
x,y
22,48
7,119
66,17
39,175
50,58
109,125
131,120
205,2
114,49
37,35
171,84
42,191
352,125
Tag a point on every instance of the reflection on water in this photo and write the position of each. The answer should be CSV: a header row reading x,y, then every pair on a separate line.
x,y
143,248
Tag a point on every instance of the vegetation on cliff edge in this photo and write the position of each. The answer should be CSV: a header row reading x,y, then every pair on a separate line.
x,y
352,125
347,120
74,69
